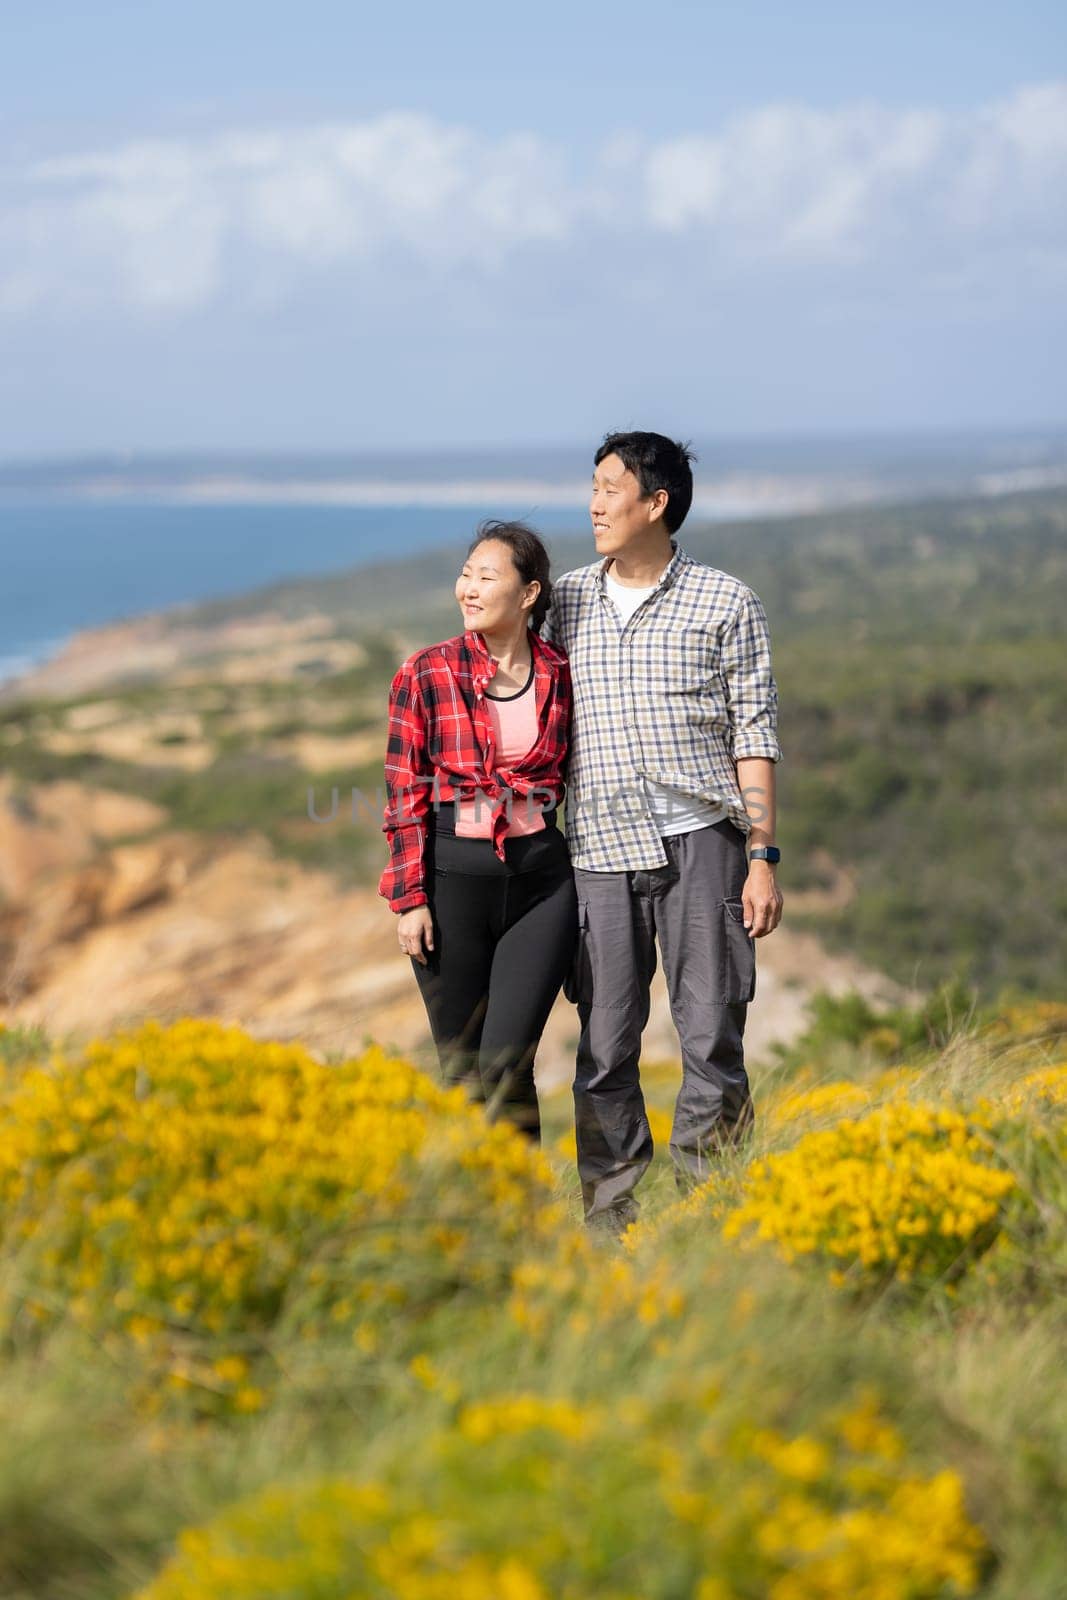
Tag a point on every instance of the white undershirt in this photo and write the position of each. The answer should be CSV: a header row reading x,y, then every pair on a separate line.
x,y
672,810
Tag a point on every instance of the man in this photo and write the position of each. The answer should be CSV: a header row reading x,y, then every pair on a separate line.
x,y
673,749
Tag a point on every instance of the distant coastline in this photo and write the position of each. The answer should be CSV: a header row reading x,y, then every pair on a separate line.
x,y
76,564
94,541
733,495
207,536
22,663
736,496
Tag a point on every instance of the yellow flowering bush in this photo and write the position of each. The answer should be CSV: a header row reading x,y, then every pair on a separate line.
x,y
906,1191
1033,1020
575,1286
527,1498
1027,1262
837,1097
187,1191
785,1112
709,1202
1043,1089
818,1100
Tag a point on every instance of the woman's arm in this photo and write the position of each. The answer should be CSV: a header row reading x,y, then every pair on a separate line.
x,y
407,788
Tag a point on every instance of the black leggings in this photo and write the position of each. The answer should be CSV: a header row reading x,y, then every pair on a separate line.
x,y
503,943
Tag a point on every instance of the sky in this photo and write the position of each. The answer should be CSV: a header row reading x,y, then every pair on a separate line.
x,y
334,226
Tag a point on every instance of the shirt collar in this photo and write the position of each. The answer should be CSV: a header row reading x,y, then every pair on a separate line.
x,y
485,664
476,644
669,575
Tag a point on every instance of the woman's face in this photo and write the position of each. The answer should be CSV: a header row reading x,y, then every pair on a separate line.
x,y
490,591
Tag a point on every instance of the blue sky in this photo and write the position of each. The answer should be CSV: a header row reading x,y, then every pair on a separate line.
x,y
267,226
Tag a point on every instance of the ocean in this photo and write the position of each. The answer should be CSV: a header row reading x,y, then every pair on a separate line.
x,y
89,542
68,565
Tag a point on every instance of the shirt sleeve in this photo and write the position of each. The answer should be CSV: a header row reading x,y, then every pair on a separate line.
x,y
565,690
550,626
407,790
750,687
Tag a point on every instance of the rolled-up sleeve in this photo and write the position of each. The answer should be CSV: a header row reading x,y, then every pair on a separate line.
x,y
751,691
407,788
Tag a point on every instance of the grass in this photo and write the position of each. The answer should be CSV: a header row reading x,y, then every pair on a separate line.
x,y
703,1340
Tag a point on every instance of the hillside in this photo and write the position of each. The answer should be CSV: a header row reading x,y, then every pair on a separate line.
x,y
279,1329
918,652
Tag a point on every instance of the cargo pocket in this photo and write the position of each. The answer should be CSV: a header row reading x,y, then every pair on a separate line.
x,y
578,984
738,955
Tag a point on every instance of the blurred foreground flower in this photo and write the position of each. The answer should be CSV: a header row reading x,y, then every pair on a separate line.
x,y
524,1498
186,1192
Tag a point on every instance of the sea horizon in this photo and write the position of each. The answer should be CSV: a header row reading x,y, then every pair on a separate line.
x,y
102,539
74,564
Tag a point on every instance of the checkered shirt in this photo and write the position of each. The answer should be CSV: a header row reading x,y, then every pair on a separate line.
x,y
677,695
441,747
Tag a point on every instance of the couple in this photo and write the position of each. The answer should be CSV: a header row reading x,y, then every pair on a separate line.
x,y
640,685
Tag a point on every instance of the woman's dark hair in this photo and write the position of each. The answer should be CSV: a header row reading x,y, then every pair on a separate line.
x,y
528,555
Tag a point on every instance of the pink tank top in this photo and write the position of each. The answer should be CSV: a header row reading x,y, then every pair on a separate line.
x,y
514,722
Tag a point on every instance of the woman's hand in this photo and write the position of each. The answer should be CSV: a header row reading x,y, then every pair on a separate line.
x,y
413,930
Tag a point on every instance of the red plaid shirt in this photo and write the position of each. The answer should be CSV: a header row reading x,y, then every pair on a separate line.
x,y
441,747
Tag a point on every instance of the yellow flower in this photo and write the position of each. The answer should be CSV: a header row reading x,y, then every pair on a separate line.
x,y
186,1183
810,1516
900,1191
517,1414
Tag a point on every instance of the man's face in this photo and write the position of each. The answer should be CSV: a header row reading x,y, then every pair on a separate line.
x,y
621,514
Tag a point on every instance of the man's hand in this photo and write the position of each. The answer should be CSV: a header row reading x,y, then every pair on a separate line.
x,y
414,929
762,899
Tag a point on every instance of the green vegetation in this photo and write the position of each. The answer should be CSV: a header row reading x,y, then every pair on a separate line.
x,y
919,656
325,1316
22,1043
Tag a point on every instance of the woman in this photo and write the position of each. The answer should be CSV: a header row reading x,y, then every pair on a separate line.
x,y
479,874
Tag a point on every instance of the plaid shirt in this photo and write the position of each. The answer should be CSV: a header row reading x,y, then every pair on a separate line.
x,y
677,695
441,747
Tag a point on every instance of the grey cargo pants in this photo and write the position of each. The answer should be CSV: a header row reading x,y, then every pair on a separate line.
x,y
693,904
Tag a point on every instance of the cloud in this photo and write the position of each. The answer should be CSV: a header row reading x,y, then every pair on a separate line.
x,y
168,227
789,182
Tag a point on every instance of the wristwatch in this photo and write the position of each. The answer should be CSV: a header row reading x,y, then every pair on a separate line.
x,y
766,852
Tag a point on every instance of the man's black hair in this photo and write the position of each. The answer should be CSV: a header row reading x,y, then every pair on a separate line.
x,y
657,463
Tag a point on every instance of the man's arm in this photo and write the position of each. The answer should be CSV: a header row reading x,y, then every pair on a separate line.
x,y
761,896
756,781
554,626
549,627
753,696
749,680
